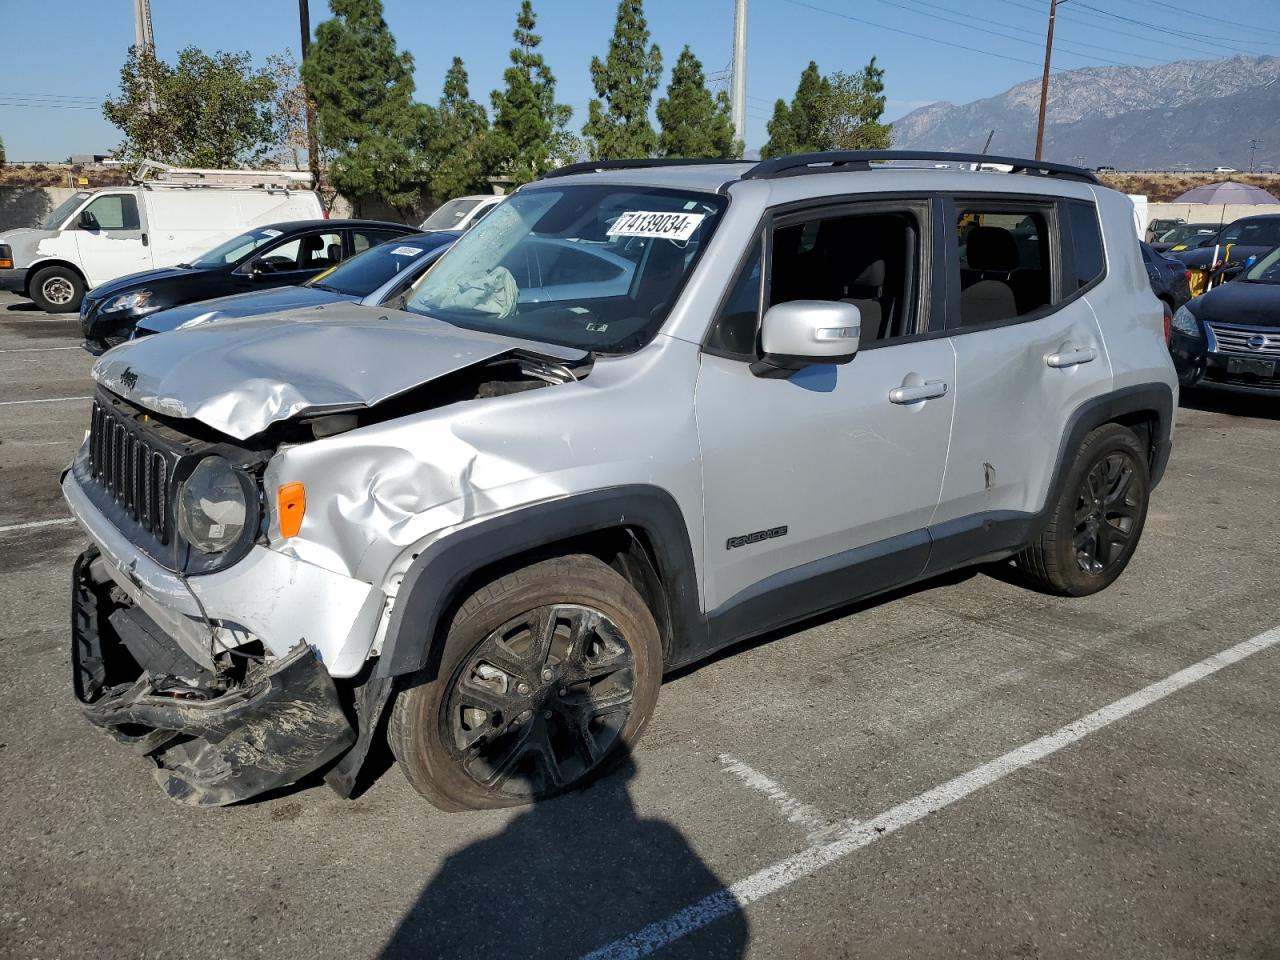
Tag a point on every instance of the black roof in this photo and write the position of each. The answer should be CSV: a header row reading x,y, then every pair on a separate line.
x,y
290,226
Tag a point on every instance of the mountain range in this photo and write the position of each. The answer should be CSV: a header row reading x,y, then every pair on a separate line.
x,y
1200,113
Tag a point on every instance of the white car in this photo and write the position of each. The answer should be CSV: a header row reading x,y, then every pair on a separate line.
x,y
1224,169
461,212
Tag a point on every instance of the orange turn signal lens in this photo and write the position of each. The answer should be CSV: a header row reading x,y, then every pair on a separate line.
x,y
291,501
6,264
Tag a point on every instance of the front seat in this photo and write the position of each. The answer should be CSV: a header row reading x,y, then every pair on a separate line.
x,y
987,294
866,292
307,251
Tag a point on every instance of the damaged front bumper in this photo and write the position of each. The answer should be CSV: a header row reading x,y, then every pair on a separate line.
x,y
216,738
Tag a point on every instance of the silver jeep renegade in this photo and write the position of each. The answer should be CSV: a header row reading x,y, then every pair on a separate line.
x,y
640,412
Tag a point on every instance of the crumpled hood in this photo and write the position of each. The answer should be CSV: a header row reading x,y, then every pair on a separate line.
x,y
24,242
240,376
251,304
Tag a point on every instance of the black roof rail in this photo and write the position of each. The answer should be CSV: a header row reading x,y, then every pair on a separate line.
x,y
596,166
845,160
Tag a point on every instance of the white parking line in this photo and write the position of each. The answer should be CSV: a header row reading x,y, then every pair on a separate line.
x,y
13,403
854,836
795,811
37,349
11,528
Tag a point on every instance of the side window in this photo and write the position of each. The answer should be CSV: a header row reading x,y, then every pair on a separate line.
x,y
868,259
114,211
1086,245
1005,271
362,240
734,330
312,251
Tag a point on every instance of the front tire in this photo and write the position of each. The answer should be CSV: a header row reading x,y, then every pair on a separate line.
x,y
1098,519
57,290
546,674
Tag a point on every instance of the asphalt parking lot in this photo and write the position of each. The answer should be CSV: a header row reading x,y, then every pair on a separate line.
x,y
830,792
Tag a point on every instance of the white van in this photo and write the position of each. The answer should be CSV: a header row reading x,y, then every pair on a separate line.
x,y
461,213
169,216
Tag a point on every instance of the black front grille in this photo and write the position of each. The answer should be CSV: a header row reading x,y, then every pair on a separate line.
x,y
133,471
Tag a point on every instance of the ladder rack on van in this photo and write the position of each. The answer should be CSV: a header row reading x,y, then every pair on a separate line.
x,y
152,173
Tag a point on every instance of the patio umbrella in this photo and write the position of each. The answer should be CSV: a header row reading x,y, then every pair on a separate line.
x,y
1228,192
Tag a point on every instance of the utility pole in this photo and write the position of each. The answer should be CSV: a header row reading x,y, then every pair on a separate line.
x,y
738,93
145,42
1254,144
313,146
1044,84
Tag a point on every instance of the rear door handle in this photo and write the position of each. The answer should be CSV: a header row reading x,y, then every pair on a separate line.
x,y
1071,358
929,390
145,241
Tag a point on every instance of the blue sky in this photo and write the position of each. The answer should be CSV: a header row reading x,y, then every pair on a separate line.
x,y
85,41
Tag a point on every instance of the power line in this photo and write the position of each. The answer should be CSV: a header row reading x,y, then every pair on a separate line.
x,y
1206,38
1037,43
908,33
53,96
1166,7
49,106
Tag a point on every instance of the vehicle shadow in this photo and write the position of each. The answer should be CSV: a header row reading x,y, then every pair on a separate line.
x,y
1233,404
23,306
564,878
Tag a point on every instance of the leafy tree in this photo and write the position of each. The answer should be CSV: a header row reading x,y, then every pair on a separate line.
x,y
456,139
854,107
617,125
290,108
528,135
206,111
693,122
363,91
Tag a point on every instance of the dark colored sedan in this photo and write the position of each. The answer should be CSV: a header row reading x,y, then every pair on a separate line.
x,y
282,254
1183,236
379,274
1233,244
1168,278
1230,337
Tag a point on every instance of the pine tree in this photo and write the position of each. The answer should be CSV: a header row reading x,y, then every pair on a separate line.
x,y
528,136
363,90
456,139
782,139
855,108
809,111
617,124
693,122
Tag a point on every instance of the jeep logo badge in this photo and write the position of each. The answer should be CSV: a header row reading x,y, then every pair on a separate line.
x,y
128,379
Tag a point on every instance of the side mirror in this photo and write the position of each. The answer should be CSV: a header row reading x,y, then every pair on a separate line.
x,y
803,332
257,268
87,221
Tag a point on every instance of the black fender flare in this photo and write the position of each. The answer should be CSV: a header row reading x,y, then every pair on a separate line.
x,y
1141,398
434,579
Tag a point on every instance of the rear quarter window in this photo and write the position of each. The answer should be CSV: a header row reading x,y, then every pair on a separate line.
x,y
1088,262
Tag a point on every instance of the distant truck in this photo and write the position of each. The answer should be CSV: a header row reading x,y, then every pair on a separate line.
x,y
169,215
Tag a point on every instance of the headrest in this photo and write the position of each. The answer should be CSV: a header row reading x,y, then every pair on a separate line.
x,y
992,248
312,243
872,275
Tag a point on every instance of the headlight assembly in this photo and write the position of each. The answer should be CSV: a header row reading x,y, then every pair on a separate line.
x,y
138,302
1185,322
212,506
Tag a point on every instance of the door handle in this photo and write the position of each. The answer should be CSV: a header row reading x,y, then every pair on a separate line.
x,y
145,241
929,390
1070,358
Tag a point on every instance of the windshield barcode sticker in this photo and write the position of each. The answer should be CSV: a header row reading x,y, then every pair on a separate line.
x,y
406,251
648,223
271,232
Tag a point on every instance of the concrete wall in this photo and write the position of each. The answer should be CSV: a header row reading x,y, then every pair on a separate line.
x,y
1222,213
27,206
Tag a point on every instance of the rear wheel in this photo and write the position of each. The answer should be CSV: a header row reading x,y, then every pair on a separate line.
x,y
57,290
1098,519
546,674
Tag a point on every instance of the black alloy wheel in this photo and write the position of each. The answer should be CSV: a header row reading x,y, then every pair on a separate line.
x,y
541,701
1109,509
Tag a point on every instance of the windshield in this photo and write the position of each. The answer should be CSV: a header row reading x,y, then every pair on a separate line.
x,y
1266,270
63,210
1184,231
594,267
237,248
366,272
450,214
